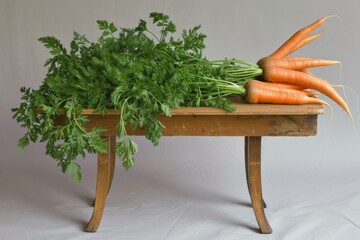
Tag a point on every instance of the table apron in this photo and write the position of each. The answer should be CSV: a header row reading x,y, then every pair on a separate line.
x,y
223,125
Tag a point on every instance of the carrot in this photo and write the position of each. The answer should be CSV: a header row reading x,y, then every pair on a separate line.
x,y
301,44
257,93
306,80
295,63
307,71
294,41
307,40
283,87
278,86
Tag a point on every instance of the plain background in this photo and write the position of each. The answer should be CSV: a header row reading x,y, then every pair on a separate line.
x,y
187,187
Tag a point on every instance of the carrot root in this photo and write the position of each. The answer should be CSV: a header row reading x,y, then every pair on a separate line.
x,y
296,63
293,42
258,92
305,80
306,40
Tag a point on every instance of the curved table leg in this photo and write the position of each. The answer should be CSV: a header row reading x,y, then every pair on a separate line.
x,y
254,180
112,158
112,145
247,165
102,187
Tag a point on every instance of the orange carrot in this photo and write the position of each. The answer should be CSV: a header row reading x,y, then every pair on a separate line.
x,y
307,71
305,80
277,86
292,43
295,63
283,87
256,93
307,40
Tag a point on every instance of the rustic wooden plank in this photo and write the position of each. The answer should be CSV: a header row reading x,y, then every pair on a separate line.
x,y
240,125
222,125
241,109
246,120
253,109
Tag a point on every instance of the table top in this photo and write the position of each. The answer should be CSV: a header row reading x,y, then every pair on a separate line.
x,y
240,109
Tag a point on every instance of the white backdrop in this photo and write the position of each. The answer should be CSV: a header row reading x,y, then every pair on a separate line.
x,y
186,188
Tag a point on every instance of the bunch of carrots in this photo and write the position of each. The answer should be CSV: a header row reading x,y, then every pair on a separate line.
x,y
287,80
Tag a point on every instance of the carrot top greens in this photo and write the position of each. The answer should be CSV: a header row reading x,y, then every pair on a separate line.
x,y
133,70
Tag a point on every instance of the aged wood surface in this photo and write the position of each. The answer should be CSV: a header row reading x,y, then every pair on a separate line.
x,y
222,125
246,120
240,109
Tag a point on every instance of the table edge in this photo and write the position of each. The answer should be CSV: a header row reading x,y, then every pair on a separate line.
x,y
240,109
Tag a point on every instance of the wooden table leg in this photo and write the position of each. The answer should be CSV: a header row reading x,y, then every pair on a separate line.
x,y
247,166
102,188
112,157
253,159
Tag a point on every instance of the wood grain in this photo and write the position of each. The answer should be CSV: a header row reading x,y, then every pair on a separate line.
x,y
240,109
246,120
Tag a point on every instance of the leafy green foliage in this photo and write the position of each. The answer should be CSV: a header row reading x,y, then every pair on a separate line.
x,y
132,70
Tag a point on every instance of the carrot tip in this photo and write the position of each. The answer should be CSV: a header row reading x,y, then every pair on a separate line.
x,y
349,113
300,38
333,16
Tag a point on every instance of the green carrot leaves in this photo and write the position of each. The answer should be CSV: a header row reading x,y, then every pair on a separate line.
x,y
132,70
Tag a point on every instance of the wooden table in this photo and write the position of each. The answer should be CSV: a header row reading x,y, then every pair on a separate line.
x,y
248,120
